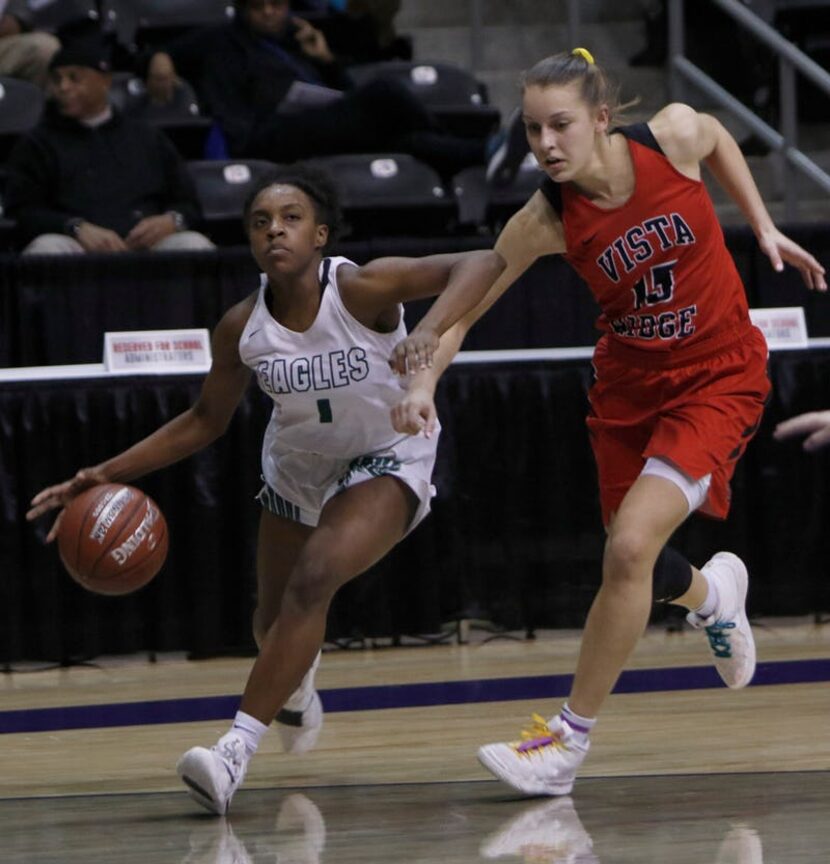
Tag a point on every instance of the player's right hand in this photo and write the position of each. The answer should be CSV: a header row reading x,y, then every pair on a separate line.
x,y
61,494
415,413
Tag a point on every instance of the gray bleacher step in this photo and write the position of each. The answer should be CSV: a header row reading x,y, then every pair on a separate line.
x,y
420,13
517,46
810,211
507,50
805,187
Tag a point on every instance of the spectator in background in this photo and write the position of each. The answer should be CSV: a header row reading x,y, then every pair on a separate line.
x,y
88,179
359,31
23,53
245,70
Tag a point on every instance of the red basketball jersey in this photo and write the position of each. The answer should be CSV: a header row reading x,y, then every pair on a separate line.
x,y
657,265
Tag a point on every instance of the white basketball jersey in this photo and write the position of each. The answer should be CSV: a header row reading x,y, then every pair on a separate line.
x,y
331,385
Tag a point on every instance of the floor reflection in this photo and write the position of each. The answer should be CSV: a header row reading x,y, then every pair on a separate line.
x,y
716,819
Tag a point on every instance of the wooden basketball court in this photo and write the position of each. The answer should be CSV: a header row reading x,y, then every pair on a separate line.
x,y
681,770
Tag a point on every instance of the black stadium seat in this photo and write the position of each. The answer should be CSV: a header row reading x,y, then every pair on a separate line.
x,y
21,104
391,194
150,22
222,187
129,93
450,92
479,203
54,15
180,119
7,225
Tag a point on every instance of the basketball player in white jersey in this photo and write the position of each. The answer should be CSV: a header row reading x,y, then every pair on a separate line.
x,y
341,486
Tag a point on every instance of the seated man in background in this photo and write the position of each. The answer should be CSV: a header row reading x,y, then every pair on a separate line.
x,y
23,53
359,31
88,179
243,71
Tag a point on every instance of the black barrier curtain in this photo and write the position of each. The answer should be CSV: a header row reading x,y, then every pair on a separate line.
x,y
514,538
56,309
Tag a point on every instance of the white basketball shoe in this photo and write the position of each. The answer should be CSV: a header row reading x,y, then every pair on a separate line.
x,y
544,762
301,718
214,842
212,776
741,845
301,831
728,629
550,832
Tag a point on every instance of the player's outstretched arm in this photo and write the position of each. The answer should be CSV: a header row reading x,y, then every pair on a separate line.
x,y
815,425
688,138
372,292
182,436
532,232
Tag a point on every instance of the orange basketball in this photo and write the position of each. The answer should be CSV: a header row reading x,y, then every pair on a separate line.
x,y
112,539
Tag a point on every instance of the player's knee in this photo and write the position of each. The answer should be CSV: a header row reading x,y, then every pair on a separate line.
x,y
312,584
260,624
629,555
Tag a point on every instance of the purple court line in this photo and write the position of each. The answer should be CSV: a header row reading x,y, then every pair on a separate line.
x,y
377,697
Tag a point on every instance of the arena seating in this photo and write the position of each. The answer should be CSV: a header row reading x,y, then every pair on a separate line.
x,y
450,92
390,193
21,104
53,15
223,186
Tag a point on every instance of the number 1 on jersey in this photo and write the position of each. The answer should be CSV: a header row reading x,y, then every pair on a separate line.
x,y
324,410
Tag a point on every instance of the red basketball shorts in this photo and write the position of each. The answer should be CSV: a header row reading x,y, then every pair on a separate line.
x,y
699,416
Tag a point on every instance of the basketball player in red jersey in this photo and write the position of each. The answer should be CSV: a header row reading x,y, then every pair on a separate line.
x,y
680,371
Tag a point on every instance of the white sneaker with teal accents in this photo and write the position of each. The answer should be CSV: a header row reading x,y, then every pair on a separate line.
x,y
212,776
544,762
728,629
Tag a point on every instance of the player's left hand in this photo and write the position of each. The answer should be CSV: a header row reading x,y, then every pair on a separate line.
x,y
780,249
415,413
415,352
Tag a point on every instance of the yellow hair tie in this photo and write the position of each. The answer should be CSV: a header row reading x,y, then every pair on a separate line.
x,y
585,54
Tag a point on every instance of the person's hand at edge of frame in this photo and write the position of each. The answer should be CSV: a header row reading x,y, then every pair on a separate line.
x,y
814,424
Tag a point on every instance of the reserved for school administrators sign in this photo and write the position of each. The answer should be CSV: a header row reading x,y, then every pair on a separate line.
x,y
137,352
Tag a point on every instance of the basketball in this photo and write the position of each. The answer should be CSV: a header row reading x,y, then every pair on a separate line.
x,y
112,539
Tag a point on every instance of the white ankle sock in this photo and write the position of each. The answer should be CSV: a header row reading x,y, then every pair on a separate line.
x,y
581,726
249,729
710,604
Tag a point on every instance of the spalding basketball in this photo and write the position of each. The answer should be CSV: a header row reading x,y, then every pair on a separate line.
x,y
112,539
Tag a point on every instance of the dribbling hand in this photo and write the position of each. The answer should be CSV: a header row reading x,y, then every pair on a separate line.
x,y
61,494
